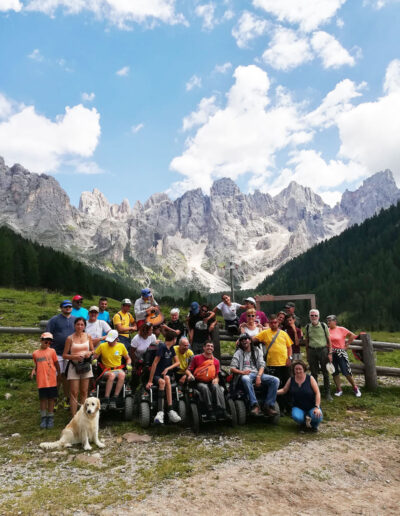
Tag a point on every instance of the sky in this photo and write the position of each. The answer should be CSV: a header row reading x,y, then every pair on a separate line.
x,y
135,97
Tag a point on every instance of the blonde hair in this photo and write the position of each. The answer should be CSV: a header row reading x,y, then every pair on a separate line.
x,y
251,311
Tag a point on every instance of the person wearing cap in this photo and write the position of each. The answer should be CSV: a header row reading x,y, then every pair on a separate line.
x,y
46,370
77,308
96,327
61,326
248,363
104,315
111,352
143,306
201,323
124,323
261,318
289,310
341,338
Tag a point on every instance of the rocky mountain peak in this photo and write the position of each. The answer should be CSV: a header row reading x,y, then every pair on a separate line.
x,y
224,187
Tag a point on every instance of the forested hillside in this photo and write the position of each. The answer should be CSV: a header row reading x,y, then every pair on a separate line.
x,y
356,274
24,264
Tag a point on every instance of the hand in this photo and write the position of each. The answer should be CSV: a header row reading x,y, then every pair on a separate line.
x,y
246,371
317,412
215,381
288,362
164,372
330,357
148,385
33,373
129,367
258,381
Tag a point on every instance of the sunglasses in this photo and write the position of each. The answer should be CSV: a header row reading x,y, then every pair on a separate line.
x,y
46,340
79,302
314,315
251,315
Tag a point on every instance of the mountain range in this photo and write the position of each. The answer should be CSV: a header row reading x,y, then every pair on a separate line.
x,y
189,241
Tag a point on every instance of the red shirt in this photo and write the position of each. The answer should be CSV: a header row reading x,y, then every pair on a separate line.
x,y
198,360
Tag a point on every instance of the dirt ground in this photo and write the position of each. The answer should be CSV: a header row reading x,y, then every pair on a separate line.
x,y
324,477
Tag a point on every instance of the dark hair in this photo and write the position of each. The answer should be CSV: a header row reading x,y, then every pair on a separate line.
x,y
208,342
223,295
204,306
282,312
103,299
170,335
252,349
80,319
272,317
298,362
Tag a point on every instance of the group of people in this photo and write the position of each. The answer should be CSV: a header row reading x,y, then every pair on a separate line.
x,y
268,353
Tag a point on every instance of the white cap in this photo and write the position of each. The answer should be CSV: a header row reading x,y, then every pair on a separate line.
x,y
174,311
111,336
94,309
126,301
250,300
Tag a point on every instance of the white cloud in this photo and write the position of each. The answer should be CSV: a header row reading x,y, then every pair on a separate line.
x,y
287,50
6,107
136,128
35,55
248,28
41,144
339,23
123,72
88,97
118,12
193,82
206,109
85,167
392,77
207,13
379,4
308,14
10,5
331,52
222,68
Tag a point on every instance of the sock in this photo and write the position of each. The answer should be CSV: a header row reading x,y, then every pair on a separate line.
x,y
50,414
160,401
43,413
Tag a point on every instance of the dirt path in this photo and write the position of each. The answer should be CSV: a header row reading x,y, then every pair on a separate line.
x,y
324,477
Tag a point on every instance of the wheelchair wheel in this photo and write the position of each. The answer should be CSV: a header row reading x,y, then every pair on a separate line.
x,y
144,415
232,411
195,417
128,409
240,407
182,411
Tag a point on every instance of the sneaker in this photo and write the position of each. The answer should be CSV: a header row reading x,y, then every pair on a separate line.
x,y
174,417
66,405
338,393
270,411
159,419
357,392
104,404
314,429
308,422
113,404
50,422
43,422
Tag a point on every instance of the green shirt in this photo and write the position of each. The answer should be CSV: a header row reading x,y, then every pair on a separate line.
x,y
316,336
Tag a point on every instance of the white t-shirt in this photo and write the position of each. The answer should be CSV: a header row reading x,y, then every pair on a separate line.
x,y
251,333
140,344
228,312
97,329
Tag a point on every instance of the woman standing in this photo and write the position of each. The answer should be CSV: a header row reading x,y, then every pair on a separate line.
x,y
341,338
305,395
78,347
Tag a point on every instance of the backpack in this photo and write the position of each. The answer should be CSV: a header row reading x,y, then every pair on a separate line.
x,y
324,326
206,371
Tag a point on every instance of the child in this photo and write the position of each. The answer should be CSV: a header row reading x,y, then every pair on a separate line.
x,y
46,370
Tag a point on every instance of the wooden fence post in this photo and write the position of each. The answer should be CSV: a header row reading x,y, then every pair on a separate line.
x,y
371,382
216,342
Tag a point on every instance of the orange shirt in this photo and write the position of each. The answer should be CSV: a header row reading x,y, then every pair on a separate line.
x,y
46,373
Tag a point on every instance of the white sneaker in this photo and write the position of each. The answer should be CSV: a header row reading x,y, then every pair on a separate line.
x,y
338,393
173,416
357,392
159,419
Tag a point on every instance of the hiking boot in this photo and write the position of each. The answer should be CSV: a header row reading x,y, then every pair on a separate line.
x,y
255,410
113,403
50,422
338,393
159,419
270,411
357,392
173,416
104,403
43,422
308,422
314,429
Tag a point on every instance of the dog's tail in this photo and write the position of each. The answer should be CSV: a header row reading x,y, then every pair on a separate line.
x,y
51,446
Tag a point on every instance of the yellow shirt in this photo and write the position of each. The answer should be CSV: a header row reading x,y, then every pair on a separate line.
x,y
184,359
111,355
278,353
124,319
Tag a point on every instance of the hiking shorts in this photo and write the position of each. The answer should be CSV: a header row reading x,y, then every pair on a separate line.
x,y
340,360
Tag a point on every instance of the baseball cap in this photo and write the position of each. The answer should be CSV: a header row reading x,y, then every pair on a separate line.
x,y
174,311
146,292
126,301
65,303
195,307
331,318
243,336
290,305
250,300
77,298
111,336
46,335
94,309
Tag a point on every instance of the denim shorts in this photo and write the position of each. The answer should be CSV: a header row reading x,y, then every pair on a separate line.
x,y
340,360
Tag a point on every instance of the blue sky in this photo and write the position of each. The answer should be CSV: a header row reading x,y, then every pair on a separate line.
x,y
136,97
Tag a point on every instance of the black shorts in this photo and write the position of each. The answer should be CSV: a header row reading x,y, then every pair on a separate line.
x,y
48,393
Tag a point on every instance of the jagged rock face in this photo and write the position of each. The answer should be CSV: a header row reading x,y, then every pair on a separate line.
x,y
191,239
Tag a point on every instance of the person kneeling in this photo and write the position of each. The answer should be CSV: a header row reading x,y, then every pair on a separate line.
x,y
305,395
111,351
248,362
205,369
164,362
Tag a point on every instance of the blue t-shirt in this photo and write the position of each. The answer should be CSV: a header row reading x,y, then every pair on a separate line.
x,y
166,357
82,312
61,327
104,316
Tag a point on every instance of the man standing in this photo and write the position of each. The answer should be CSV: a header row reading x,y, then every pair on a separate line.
x,y
143,306
261,318
103,313
62,326
95,327
77,308
124,323
319,349
290,308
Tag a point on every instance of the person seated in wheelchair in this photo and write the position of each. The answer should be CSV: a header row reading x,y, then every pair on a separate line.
x,y
111,353
164,362
248,363
184,356
205,369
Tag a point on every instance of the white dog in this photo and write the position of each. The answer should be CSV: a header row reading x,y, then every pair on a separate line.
x,y
83,427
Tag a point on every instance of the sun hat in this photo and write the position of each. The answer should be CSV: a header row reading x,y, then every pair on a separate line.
x,y
46,335
94,309
126,301
111,336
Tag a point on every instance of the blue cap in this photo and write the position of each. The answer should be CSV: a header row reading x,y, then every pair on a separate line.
x,y
195,307
65,303
146,292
